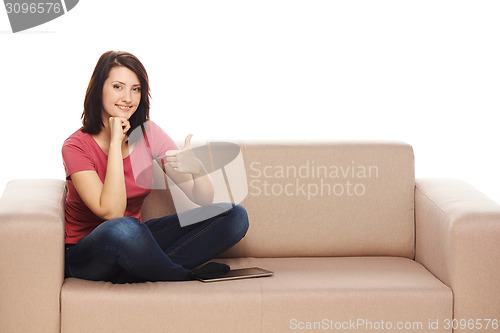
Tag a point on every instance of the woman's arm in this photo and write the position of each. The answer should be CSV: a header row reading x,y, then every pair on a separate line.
x,y
187,172
107,200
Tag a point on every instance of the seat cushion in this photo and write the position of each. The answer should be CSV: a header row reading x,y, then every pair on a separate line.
x,y
303,292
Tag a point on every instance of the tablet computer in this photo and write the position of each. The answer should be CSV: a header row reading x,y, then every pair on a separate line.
x,y
242,273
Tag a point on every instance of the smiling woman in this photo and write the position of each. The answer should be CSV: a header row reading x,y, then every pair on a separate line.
x,y
106,83
105,236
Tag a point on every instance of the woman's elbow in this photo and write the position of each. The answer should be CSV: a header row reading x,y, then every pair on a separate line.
x,y
205,200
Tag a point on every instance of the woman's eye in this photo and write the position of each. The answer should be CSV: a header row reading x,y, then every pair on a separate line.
x,y
137,89
116,86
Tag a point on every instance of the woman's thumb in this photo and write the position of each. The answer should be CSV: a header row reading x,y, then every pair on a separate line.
x,y
187,143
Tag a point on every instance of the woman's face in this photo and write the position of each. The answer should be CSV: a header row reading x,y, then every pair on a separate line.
x,y
121,93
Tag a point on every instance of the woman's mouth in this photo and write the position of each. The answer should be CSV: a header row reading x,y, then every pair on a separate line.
x,y
124,107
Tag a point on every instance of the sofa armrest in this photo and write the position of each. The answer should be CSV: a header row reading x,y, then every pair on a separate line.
x,y
31,255
458,240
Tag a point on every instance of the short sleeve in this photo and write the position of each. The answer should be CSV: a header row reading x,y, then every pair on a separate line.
x,y
76,157
159,142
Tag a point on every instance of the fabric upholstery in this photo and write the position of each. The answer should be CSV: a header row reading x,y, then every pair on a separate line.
x,y
374,289
458,240
388,253
326,199
31,255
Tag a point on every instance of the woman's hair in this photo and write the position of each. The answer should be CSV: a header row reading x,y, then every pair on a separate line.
x,y
92,106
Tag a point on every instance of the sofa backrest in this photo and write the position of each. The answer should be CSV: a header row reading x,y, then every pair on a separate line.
x,y
322,199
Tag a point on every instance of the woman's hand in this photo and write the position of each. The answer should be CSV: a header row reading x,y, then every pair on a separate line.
x,y
187,172
106,199
185,161
119,127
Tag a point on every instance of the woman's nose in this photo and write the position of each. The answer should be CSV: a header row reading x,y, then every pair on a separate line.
x,y
126,97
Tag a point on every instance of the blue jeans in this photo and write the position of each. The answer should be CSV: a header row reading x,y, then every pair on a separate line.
x,y
124,250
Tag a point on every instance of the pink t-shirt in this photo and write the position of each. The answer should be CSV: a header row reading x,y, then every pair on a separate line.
x,y
81,152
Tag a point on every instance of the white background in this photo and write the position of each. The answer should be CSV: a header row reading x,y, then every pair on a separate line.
x,y
422,72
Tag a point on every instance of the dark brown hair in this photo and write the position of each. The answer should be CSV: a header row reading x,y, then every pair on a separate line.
x,y
92,106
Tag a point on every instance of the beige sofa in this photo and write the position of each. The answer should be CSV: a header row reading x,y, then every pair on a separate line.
x,y
356,244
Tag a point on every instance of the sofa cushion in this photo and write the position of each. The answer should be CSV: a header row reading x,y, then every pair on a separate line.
x,y
323,199
361,294
303,291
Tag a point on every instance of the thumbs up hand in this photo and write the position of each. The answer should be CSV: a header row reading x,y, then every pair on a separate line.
x,y
185,161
